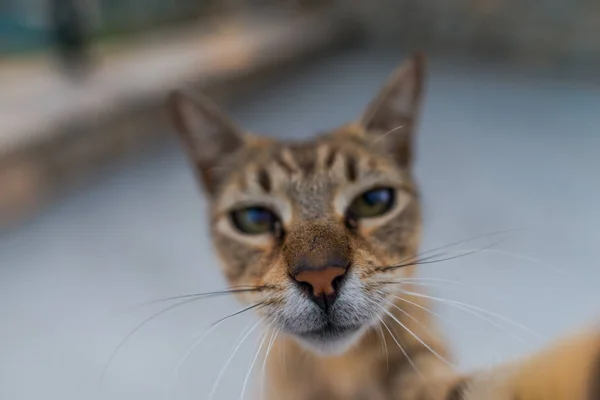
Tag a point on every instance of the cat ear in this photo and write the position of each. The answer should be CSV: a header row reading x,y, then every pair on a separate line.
x,y
207,134
392,115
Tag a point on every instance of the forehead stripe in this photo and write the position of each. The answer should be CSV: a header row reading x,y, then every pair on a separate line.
x,y
351,168
283,164
330,159
264,180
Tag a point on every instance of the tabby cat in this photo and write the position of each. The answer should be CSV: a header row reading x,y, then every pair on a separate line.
x,y
321,239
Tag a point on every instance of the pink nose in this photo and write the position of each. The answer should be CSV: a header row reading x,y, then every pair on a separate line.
x,y
321,280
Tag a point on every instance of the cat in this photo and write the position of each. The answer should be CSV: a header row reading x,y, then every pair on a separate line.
x,y
321,239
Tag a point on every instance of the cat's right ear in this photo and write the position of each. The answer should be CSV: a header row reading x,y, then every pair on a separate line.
x,y
207,134
394,112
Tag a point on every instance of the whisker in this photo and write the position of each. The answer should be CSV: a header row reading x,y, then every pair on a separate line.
x,y
524,257
262,303
462,305
464,254
384,347
224,368
385,134
425,261
407,261
436,282
264,365
208,330
404,352
419,279
469,239
232,290
424,284
183,359
467,310
136,329
262,342
519,256
283,359
412,317
435,353
434,313
413,260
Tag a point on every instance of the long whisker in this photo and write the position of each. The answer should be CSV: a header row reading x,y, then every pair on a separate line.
x,y
410,316
467,253
462,305
419,279
204,295
435,314
222,371
264,365
262,342
384,347
385,134
413,260
136,329
253,306
519,256
467,310
434,282
407,356
404,352
524,257
435,353
189,351
467,240
208,330
408,261
424,284
425,261
283,359
416,259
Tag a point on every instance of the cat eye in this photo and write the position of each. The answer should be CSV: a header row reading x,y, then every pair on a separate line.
x,y
372,203
254,220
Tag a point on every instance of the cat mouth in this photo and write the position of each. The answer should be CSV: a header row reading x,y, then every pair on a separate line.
x,y
330,339
329,333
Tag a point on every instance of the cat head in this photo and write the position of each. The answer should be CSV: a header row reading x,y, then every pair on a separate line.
x,y
317,231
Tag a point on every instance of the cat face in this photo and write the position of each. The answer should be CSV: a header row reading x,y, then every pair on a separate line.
x,y
317,229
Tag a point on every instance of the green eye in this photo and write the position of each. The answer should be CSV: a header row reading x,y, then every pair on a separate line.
x,y
254,220
372,203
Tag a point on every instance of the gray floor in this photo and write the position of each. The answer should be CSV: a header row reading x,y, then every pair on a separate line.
x,y
496,152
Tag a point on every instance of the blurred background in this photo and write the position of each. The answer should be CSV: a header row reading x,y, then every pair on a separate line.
x,y
100,212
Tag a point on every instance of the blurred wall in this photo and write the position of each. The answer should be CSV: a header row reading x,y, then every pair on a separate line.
x,y
552,32
25,25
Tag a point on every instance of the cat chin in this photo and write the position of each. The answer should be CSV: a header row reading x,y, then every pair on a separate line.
x,y
330,345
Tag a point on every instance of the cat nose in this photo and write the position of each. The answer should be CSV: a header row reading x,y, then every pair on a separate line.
x,y
322,284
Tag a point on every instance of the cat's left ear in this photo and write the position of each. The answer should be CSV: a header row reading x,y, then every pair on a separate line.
x,y
392,116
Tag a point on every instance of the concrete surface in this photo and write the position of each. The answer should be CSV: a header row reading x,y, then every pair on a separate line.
x,y
496,151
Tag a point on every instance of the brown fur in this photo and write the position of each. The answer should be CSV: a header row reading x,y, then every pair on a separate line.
x,y
310,185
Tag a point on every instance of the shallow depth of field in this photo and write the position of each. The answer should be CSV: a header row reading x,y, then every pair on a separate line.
x,y
99,211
